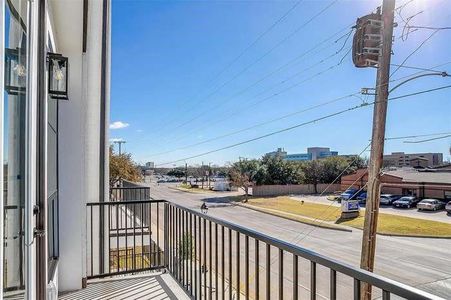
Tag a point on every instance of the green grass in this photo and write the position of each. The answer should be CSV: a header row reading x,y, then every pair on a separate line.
x,y
388,223
285,204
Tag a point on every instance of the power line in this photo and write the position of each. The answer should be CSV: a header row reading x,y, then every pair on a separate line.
x,y
267,98
275,119
428,140
414,51
415,136
242,71
258,125
291,77
305,123
254,42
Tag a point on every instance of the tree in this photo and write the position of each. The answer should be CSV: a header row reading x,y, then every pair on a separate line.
x,y
177,173
312,172
243,174
276,170
122,167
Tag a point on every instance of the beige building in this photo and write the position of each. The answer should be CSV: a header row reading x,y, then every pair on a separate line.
x,y
401,159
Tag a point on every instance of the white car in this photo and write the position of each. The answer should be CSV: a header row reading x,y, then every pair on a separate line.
x,y
430,204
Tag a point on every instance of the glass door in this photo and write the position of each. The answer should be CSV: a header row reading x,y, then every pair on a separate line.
x,y
13,151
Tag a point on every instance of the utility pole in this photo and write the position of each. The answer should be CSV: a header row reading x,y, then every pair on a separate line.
x,y
186,173
120,142
209,174
377,144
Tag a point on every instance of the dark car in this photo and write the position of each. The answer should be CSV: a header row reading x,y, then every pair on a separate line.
x,y
406,202
388,199
362,198
349,194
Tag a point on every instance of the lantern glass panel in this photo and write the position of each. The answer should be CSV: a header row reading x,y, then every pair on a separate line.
x,y
15,71
58,76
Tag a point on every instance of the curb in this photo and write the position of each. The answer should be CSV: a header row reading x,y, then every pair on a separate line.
x,y
416,236
300,221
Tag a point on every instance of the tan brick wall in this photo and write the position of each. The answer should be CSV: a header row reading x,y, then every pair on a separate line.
x,y
280,190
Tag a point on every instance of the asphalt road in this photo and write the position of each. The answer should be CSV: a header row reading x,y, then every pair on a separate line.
x,y
420,262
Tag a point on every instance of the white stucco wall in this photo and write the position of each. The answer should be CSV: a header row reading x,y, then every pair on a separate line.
x,y
79,133
67,20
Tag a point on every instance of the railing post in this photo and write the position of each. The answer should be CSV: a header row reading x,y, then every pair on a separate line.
x,y
166,235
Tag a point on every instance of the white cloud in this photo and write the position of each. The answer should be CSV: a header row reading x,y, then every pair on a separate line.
x,y
139,130
118,125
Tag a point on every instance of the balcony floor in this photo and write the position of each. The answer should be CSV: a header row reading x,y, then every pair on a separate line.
x,y
150,286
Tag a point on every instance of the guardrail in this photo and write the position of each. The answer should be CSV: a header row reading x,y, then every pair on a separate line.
x,y
212,258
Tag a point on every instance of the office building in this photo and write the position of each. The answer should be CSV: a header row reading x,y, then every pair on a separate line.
x,y
401,159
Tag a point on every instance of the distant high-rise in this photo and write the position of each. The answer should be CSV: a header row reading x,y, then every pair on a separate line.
x,y
313,153
401,159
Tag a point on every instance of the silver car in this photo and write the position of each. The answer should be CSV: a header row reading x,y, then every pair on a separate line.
x,y
448,207
430,204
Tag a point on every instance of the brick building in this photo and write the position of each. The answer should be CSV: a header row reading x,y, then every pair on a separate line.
x,y
426,183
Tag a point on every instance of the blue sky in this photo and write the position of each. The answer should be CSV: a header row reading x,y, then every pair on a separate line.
x,y
173,83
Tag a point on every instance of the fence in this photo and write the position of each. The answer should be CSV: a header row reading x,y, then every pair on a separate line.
x,y
279,190
211,258
129,193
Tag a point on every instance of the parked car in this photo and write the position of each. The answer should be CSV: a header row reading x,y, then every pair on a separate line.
x,y
362,198
406,202
349,194
448,207
430,204
387,199
334,197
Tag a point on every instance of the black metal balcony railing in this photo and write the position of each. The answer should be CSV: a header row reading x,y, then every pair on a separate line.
x,y
212,258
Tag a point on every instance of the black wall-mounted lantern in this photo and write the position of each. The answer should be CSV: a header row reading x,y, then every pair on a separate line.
x,y
15,71
58,76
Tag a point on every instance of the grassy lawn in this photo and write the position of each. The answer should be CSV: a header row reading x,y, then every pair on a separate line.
x,y
388,223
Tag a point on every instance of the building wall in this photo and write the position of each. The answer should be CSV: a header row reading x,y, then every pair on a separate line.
x,y
68,37
395,185
80,144
401,159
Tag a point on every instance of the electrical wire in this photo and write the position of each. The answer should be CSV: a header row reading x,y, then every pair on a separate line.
x,y
415,136
428,140
413,52
275,119
304,123
253,43
257,125
247,67
320,218
233,112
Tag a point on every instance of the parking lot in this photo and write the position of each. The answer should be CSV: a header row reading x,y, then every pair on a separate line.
x,y
440,215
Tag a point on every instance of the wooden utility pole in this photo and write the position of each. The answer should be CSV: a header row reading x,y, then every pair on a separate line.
x,y
377,144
